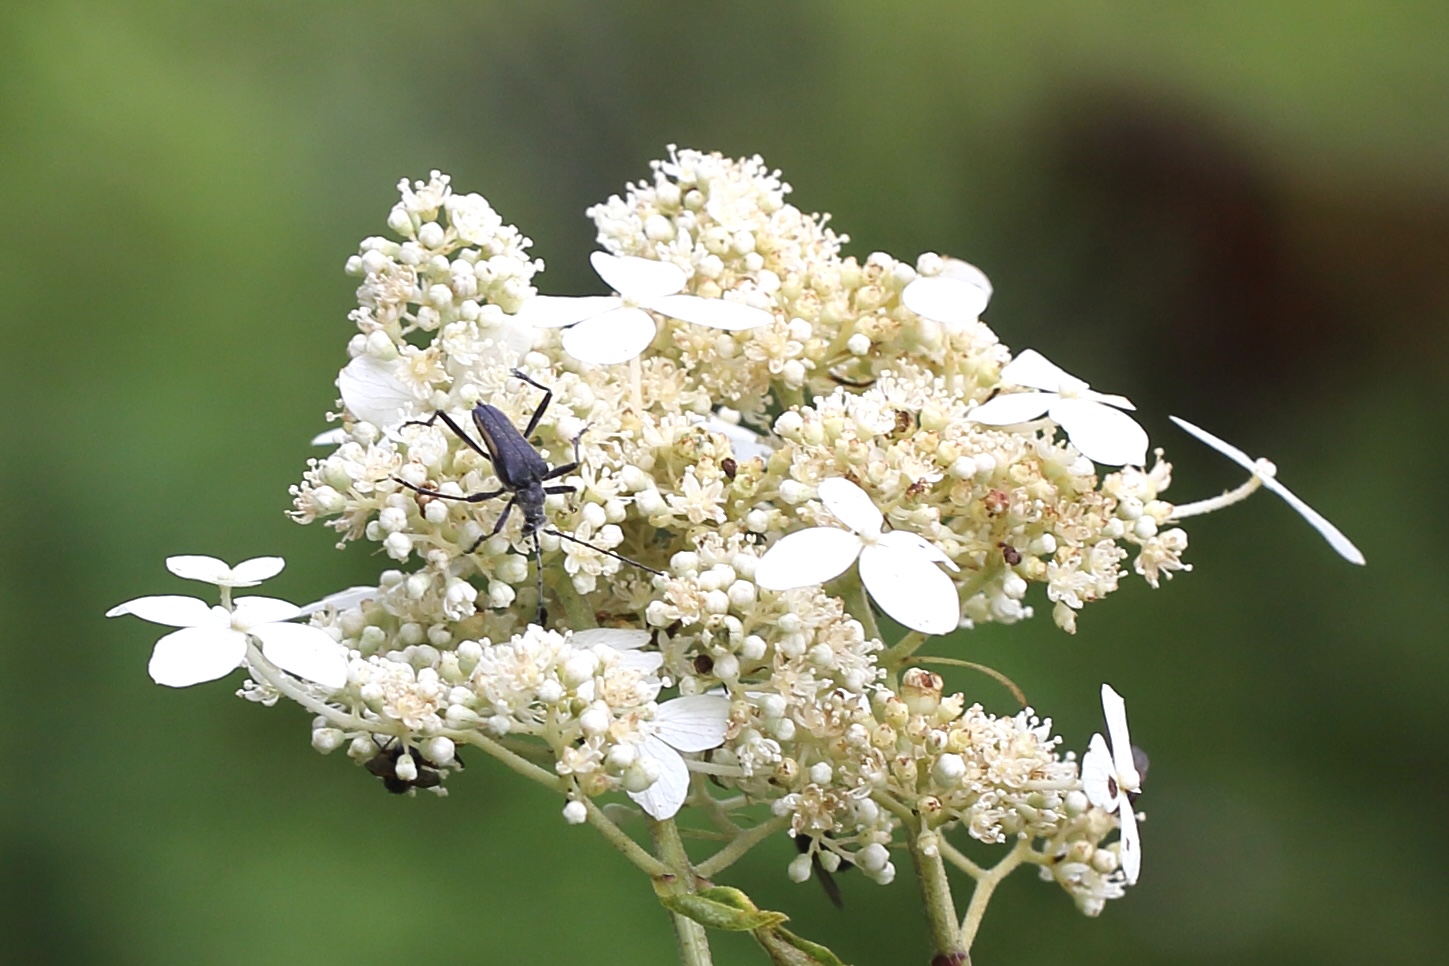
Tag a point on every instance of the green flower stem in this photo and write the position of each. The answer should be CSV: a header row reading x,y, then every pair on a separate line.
x,y
259,667
936,898
958,858
512,759
857,603
787,397
985,885
894,657
713,810
691,936
616,837
742,843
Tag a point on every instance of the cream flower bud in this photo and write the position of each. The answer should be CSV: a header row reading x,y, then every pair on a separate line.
x,y
595,721
873,858
799,868
439,750
921,690
327,740
948,770
575,812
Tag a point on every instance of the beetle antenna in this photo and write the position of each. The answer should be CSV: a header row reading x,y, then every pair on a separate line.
x,y
607,553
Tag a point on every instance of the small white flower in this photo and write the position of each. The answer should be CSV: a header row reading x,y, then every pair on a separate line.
x,y
212,641
1099,432
1109,776
693,723
955,298
607,329
897,567
1266,473
209,570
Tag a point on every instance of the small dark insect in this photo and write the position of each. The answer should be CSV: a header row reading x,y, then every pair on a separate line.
x,y
827,879
384,766
522,472
729,468
703,664
1010,554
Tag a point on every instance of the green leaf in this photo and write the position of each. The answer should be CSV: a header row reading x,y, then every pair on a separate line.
x,y
787,949
724,908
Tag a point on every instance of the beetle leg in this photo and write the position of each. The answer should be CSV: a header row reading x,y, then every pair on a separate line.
x,y
561,488
557,471
468,498
542,406
538,563
457,430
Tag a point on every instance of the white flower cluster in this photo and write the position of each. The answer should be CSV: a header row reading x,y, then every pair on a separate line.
x,y
603,571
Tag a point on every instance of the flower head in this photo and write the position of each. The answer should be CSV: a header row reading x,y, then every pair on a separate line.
x,y
212,641
897,567
1110,778
1100,432
606,329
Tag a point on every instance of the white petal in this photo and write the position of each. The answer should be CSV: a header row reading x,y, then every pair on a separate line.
x,y
208,570
619,638
850,505
647,663
251,572
806,558
332,437
663,798
372,391
1100,433
915,543
638,279
613,337
1031,368
308,652
1129,852
951,301
1011,408
966,272
696,722
716,313
251,611
1115,710
196,654
1222,446
553,311
1331,533
910,588
1098,776
172,610
1121,402
339,600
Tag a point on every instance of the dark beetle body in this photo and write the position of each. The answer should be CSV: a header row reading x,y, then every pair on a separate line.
x,y
522,472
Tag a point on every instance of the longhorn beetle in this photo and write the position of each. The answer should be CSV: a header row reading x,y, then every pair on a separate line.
x,y
522,472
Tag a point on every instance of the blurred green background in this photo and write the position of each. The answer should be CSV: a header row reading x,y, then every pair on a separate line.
x,y
1234,212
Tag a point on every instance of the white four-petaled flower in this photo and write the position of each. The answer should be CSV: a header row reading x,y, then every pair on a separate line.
x,y
212,641
1266,474
1101,433
692,723
1109,777
955,298
897,567
607,329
